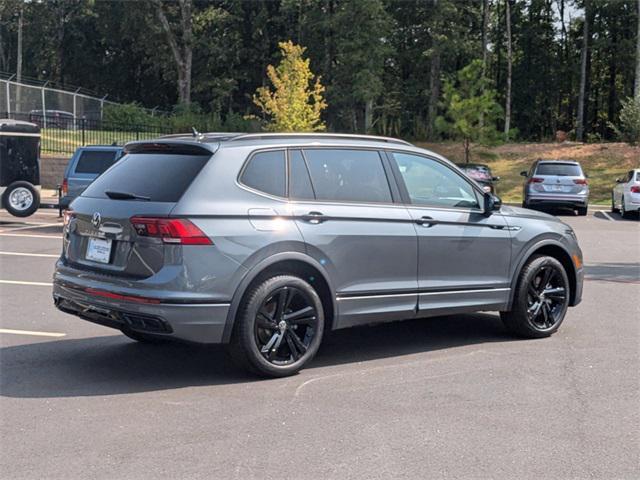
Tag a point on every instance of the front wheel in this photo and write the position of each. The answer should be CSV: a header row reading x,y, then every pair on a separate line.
x,y
21,199
279,327
541,299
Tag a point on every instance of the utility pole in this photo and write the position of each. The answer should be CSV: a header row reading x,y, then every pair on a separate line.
x,y
18,107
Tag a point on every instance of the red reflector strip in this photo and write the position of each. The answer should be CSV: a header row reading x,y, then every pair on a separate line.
x,y
117,296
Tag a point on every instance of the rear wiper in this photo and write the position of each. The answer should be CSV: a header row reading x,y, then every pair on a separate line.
x,y
124,196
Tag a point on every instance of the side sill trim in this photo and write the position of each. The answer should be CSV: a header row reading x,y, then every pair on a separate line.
x,y
396,295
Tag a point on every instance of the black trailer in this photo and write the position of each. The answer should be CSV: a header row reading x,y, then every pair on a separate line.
x,y
19,167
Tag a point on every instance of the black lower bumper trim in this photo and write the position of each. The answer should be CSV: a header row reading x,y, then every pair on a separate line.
x,y
113,318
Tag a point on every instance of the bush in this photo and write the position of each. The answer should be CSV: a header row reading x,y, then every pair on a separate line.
x,y
127,114
629,128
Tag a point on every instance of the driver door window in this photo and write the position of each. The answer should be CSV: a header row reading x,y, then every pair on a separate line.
x,y
429,182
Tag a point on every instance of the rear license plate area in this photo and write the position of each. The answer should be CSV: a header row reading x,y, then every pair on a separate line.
x,y
99,250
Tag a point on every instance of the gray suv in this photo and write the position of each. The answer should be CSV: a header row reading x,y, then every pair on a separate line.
x,y
556,183
266,241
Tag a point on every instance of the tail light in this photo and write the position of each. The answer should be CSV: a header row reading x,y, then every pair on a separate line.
x,y
170,230
635,189
67,215
65,187
536,180
580,181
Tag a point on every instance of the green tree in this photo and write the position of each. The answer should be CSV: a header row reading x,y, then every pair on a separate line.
x,y
296,102
629,129
471,108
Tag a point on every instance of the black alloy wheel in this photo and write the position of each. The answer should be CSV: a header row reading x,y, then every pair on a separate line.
x,y
546,298
285,325
541,299
279,326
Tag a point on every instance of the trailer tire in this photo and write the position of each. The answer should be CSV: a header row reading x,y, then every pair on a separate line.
x,y
21,199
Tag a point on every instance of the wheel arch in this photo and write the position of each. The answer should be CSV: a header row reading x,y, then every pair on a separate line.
x,y
552,249
295,263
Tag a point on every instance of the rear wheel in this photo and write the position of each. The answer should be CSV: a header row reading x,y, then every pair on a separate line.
x,y
21,199
582,211
541,299
614,209
623,210
279,327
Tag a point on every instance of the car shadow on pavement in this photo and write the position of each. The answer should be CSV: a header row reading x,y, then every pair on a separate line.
x,y
113,365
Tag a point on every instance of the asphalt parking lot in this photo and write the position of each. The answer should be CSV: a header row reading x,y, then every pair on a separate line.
x,y
452,397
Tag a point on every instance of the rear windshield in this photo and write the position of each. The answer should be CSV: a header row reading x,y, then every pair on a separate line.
x,y
561,169
95,162
161,177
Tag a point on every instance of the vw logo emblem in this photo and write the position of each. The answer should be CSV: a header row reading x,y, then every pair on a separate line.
x,y
96,220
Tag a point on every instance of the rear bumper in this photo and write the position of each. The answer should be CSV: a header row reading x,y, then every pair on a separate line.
x,y
191,322
558,200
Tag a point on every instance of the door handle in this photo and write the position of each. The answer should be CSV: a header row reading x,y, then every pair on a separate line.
x,y
314,217
426,221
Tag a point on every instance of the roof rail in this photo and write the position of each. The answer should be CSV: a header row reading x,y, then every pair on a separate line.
x,y
343,136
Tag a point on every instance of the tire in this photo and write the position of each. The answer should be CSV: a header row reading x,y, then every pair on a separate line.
x,y
550,310
582,211
265,341
614,209
143,337
623,211
21,199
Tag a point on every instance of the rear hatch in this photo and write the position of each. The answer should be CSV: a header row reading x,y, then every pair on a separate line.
x,y
559,178
100,235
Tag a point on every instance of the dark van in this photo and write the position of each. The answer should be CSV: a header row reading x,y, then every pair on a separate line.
x,y
19,167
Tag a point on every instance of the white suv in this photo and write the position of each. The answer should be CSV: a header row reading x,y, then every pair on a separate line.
x,y
625,196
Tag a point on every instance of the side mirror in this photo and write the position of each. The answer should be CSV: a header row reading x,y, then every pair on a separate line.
x,y
492,203
618,180
496,179
523,174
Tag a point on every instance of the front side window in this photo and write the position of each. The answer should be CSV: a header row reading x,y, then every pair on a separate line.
x,y
266,172
348,175
429,182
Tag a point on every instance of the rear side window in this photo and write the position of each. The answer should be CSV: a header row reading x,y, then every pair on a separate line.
x,y
163,177
561,169
348,175
95,162
266,172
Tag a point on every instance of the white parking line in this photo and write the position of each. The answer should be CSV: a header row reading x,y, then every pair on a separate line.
x,y
609,217
29,227
20,254
27,235
28,332
20,282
